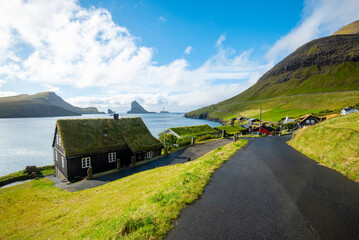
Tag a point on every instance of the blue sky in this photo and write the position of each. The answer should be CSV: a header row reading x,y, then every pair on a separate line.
x,y
181,55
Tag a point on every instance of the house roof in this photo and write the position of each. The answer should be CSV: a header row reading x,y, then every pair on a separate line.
x,y
331,116
194,130
81,136
303,118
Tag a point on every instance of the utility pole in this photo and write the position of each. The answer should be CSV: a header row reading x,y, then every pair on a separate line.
x,y
260,120
164,131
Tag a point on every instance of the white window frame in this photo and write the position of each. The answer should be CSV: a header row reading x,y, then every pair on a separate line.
x,y
112,157
63,161
308,121
312,121
86,162
149,154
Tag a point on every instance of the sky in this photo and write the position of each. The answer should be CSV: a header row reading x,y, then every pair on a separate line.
x,y
181,55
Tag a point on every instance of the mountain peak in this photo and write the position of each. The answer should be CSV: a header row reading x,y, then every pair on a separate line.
x,y
352,28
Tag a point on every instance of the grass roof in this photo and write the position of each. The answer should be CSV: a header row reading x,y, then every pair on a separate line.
x,y
194,130
81,136
231,129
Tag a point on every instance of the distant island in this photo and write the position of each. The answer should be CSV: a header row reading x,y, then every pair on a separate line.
x,y
44,104
137,108
164,111
109,111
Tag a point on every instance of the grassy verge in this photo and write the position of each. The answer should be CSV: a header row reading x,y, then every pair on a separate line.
x,y
141,206
333,143
45,170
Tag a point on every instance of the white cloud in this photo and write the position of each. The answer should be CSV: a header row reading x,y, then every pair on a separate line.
x,y
188,50
220,40
63,44
320,18
162,19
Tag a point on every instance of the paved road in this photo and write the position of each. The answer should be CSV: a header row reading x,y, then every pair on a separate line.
x,y
179,156
268,190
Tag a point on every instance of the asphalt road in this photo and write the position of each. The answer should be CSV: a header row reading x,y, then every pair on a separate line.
x,y
268,190
180,156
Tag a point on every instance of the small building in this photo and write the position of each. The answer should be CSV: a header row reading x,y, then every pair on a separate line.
x,y
102,144
265,130
253,121
309,119
348,110
288,120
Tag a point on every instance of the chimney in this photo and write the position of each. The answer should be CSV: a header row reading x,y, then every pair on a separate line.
x,y
115,116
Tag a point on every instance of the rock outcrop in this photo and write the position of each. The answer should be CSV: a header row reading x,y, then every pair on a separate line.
x,y
137,108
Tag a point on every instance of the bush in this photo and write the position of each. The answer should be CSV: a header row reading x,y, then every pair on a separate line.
x,y
204,137
184,141
30,169
170,140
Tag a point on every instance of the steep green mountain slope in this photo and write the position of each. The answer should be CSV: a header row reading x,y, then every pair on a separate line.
x,y
45,104
325,65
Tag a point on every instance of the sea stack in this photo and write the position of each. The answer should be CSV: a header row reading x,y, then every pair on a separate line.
x,y
137,108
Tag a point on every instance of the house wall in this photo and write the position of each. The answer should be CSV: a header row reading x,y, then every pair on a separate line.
x,y
99,163
143,155
60,161
311,119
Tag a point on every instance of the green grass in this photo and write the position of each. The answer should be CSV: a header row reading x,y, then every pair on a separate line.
x,y
231,129
275,109
45,170
333,143
307,90
141,206
194,130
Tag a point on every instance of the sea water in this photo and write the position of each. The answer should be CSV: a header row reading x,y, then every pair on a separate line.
x,y
28,141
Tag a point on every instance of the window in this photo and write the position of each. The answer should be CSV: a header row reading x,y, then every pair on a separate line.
x,y
149,154
55,155
307,121
59,139
63,161
86,162
112,157
312,121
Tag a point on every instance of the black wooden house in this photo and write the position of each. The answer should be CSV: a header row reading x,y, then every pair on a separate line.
x,y
102,144
309,119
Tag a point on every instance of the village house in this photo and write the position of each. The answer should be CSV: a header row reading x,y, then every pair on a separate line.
x,y
265,130
309,119
100,144
348,110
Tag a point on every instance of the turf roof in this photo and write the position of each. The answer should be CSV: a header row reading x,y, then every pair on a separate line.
x,y
81,136
194,130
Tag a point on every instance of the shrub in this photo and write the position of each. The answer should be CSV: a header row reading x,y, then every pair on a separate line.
x,y
30,169
185,140
170,140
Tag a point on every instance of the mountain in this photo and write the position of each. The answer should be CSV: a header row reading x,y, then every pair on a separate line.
x,y
320,76
45,104
137,108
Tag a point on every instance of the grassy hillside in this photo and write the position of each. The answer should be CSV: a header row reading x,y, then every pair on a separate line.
x,y
352,28
325,65
333,143
141,206
275,109
45,104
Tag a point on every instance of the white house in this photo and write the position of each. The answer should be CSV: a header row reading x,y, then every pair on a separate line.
x,y
348,110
